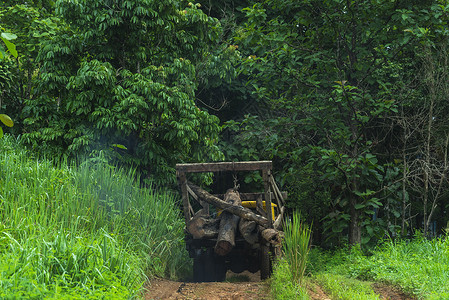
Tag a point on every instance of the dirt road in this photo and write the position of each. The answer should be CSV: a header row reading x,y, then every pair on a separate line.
x,y
238,287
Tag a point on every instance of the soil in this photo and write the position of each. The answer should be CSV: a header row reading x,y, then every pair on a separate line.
x,y
236,287
315,292
391,292
244,286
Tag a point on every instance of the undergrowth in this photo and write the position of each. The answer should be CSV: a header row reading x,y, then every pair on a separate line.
x,y
85,231
420,267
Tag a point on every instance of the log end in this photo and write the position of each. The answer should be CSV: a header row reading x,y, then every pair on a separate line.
x,y
223,247
271,236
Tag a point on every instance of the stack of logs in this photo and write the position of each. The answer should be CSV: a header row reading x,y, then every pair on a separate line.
x,y
253,227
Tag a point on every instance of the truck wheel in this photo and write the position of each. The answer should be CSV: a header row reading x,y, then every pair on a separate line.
x,y
265,262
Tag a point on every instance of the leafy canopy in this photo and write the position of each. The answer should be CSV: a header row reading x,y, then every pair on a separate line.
x,y
126,73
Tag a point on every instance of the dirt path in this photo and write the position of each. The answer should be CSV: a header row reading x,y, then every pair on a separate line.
x,y
240,287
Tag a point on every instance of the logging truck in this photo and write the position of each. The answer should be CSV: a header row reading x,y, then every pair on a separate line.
x,y
231,231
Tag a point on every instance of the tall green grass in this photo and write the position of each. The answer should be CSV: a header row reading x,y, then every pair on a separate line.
x,y
288,277
296,246
81,231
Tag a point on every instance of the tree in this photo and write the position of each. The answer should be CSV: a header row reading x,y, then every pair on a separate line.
x,y
331,73
122,75
6,38
31,24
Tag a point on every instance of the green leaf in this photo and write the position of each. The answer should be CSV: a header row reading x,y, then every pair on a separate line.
x,y
11,47
359,206
369,229
6,120
119,146
9,36
1,132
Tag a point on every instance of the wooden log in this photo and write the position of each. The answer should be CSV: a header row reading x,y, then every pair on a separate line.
x,y
240,211
271,236
228,225
280,195
278,223
202,226
249,231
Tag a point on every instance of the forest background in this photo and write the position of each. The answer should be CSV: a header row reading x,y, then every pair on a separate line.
x,y
348,98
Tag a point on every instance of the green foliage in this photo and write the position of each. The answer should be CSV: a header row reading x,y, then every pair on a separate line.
x,y
328,78
419,267
6,38
5,119
127,74
77,232
31,25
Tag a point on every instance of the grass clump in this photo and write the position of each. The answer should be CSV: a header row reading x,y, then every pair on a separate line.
x,y
288,276
85,231
296,246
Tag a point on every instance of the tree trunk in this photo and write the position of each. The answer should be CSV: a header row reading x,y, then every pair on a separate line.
x,y
228,225
355,230
271,236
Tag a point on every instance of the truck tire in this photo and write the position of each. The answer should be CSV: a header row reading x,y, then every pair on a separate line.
x,y
265,262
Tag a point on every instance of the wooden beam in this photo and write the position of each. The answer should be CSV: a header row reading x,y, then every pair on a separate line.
x,y
205,205
185,196
252,196
267,186
224,166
